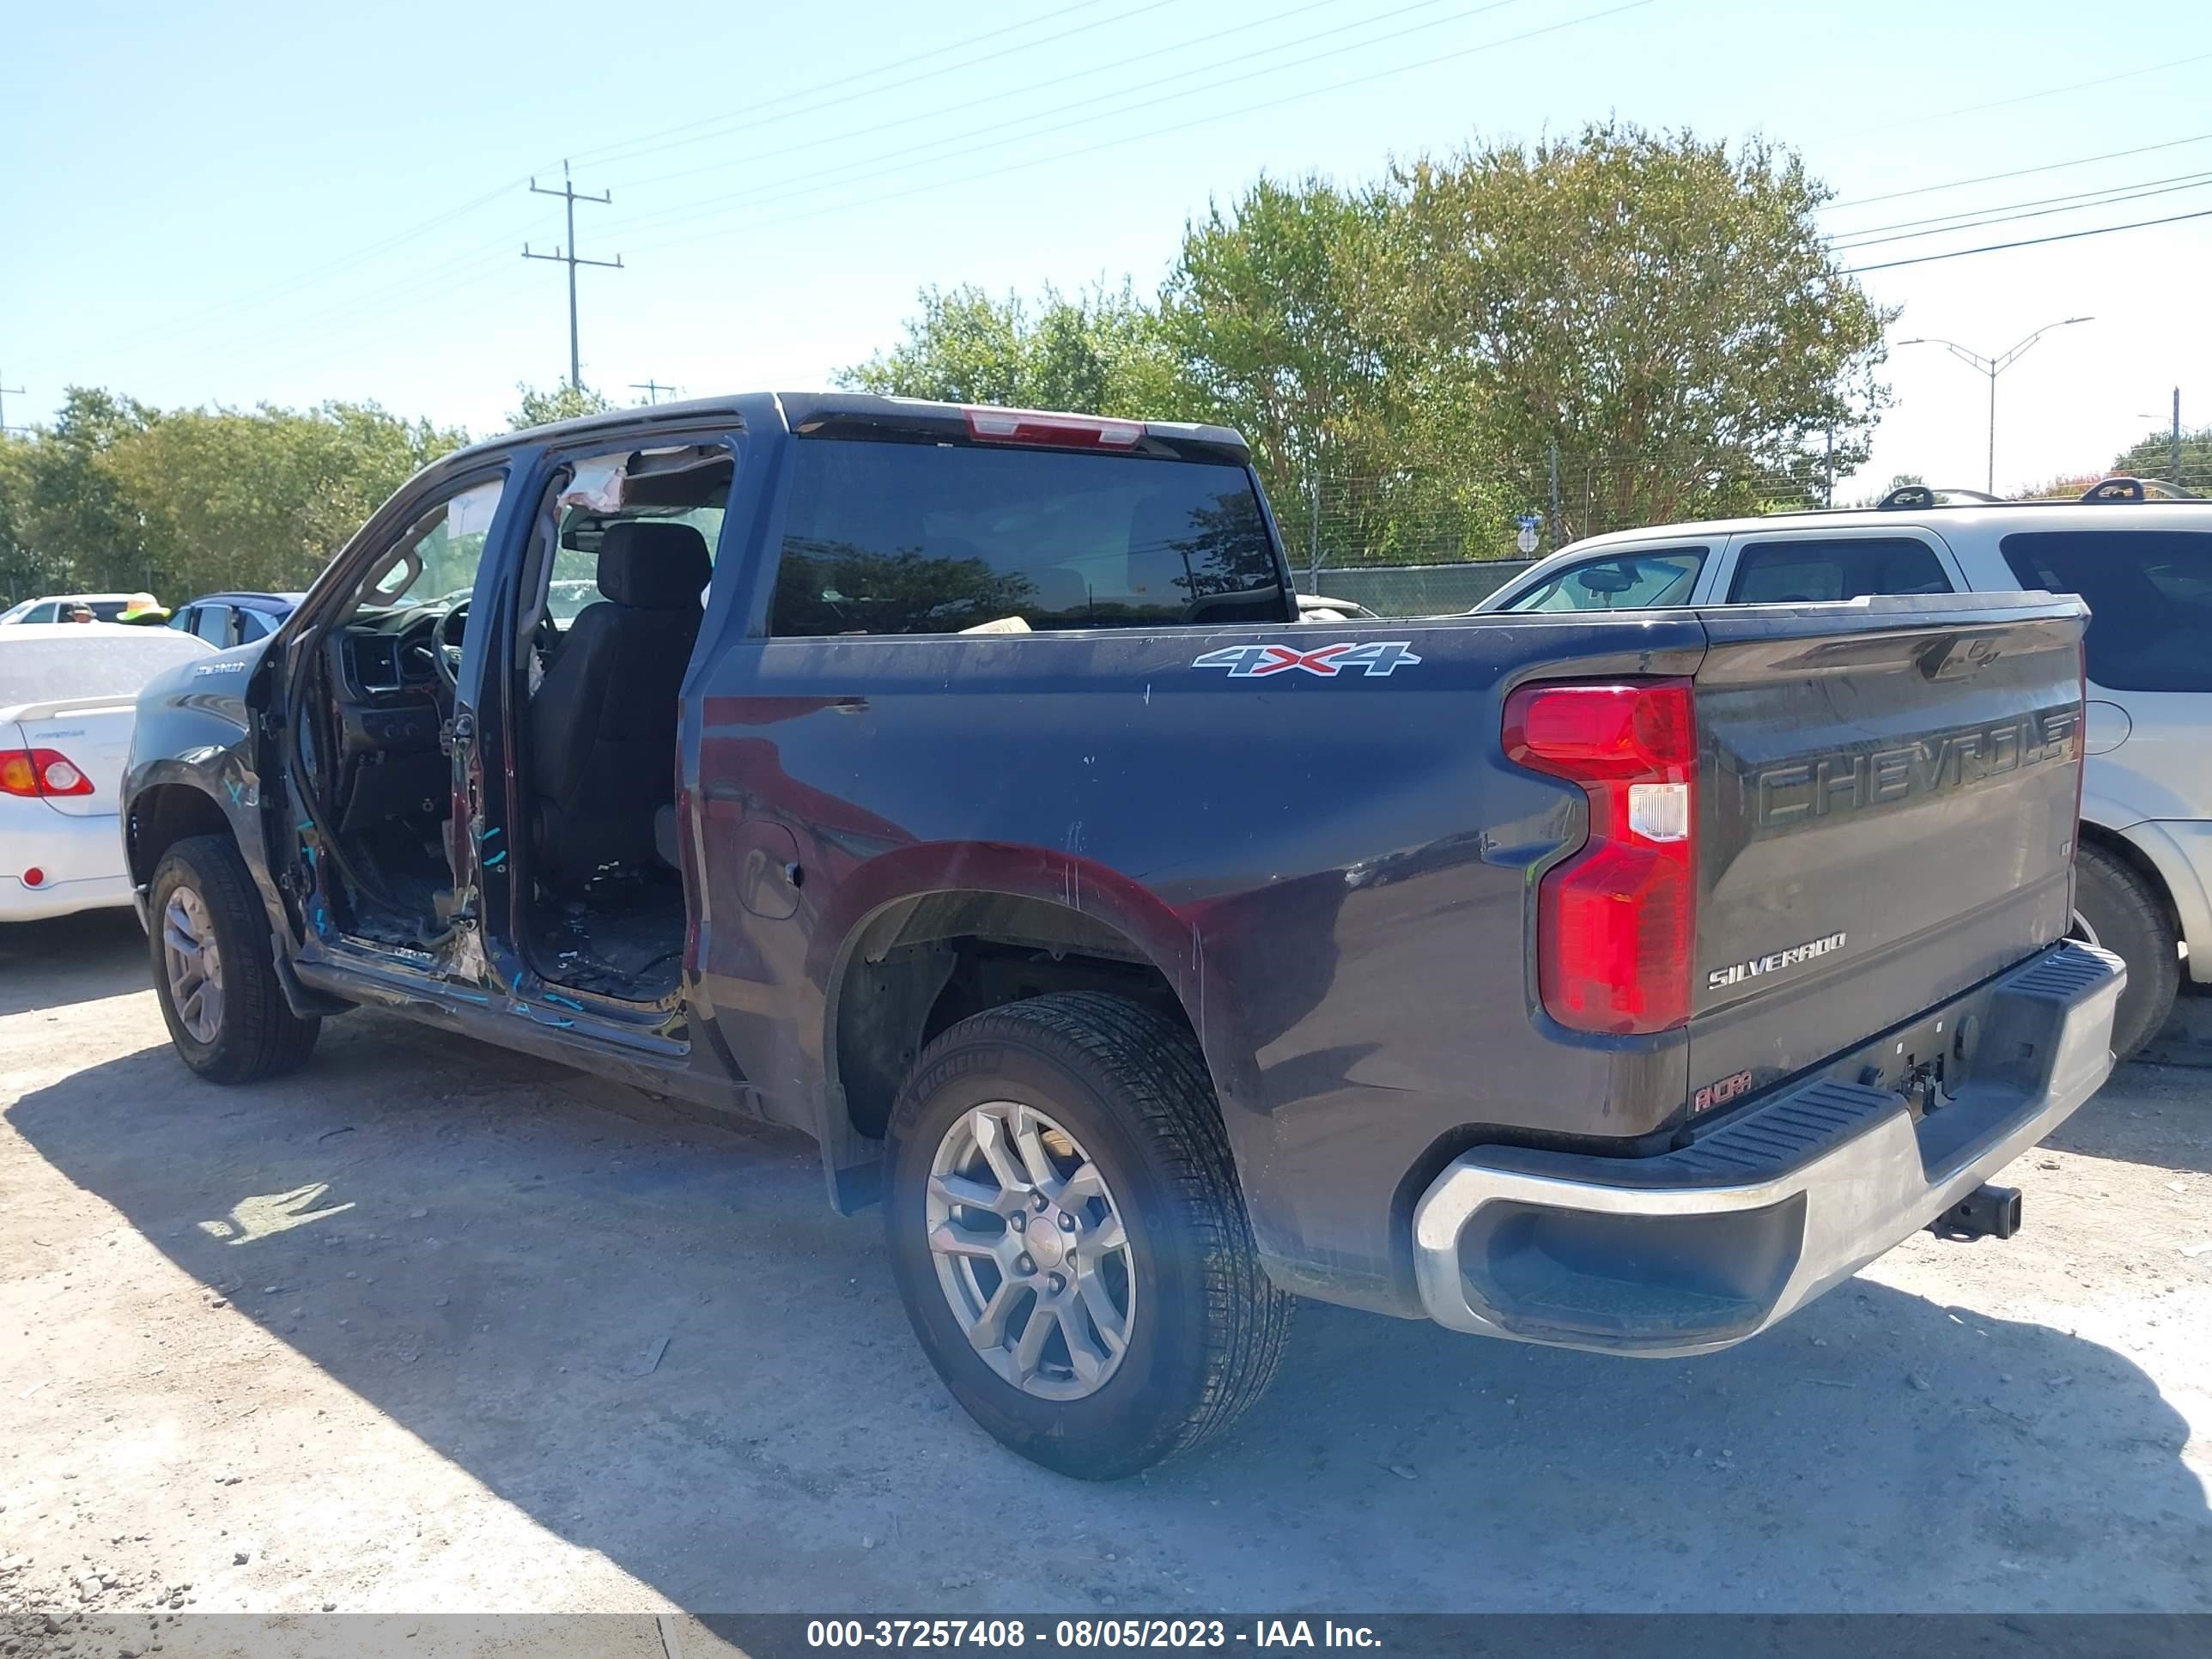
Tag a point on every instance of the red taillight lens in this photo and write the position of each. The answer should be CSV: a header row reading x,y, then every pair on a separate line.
x,y
1615,922
37,772
1030,426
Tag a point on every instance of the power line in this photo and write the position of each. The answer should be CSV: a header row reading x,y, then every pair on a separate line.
x,y
568,194
738,123
2032,241
6,393
652,388
2008,215
255,299
1180,126
390,297
2017,173
754,157
786,189
2026,97
259,298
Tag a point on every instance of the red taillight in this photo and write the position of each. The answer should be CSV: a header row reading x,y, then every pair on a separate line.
x,y
1030,426
1616,920
35,772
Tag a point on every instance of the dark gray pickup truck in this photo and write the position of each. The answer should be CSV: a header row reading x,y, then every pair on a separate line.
x,y
958,786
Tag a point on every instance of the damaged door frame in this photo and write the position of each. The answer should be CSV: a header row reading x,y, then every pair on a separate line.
x,y
491,798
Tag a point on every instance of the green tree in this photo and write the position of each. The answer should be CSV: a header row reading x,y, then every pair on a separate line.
x,y
71,521
113,495
2152,458
563,403
1661,310
1099,352
261,498
1275,322
1283,327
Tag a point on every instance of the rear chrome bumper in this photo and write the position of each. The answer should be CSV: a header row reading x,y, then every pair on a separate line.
x,y
1699,1249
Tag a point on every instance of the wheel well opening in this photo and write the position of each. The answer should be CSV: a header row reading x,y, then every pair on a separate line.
x,y
2127,853
165,815
929,962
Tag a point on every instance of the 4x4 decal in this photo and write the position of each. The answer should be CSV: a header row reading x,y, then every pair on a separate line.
x,y
1246,662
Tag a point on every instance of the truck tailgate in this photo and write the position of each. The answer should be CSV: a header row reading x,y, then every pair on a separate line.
x,y
1886,817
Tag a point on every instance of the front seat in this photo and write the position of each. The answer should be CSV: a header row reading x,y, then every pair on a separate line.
x,y
603,723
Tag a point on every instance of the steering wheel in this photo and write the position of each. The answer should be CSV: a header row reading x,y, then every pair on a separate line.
x,y
446,644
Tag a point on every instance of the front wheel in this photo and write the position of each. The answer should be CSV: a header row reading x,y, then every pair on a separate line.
x,y
1069,1238
212,968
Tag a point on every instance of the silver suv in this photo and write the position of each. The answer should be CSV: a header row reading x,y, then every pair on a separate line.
x,y
2145,566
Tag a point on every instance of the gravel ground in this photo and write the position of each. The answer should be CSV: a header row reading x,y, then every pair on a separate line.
x,y
431,1327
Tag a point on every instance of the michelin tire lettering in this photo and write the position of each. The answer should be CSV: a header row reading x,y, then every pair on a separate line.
x,y
1251,662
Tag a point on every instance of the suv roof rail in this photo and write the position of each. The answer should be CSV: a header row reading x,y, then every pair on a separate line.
x,y
2134,489
1915,496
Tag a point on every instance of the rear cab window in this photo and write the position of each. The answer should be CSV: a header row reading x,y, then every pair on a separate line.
x,y
1643,580
1816,570
918,537
2150,594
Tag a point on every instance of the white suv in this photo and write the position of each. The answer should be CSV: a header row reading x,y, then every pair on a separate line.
x,y
2144,565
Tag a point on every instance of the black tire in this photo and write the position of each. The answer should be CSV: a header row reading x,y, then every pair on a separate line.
x,y
2126,918
258,1036
1131,1087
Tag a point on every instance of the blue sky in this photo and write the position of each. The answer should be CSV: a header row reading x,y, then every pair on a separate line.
x,y
240,203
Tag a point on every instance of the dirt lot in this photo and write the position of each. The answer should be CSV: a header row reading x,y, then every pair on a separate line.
x,y
431,1326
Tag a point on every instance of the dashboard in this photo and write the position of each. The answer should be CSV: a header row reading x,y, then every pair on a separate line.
x,y
384,656
388,711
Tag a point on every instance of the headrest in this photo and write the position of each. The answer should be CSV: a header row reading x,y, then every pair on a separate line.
x,y
653,566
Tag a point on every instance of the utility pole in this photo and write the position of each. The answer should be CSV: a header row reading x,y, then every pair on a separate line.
x,y
568,194
2177,484
7,391
1555,467
1313,529
652,388
1994,366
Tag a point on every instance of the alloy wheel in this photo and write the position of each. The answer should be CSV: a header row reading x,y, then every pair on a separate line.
x,y
1030,1251
194,965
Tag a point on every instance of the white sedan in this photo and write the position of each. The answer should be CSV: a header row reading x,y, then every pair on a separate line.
x,y
69,693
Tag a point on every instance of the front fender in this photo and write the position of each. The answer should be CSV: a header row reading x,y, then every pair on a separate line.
x,y
192,766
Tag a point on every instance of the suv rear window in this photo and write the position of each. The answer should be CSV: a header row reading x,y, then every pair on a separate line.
x,y
933,539
1802,571
2150,594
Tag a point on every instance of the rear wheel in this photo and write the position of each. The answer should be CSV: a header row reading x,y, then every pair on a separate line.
x,y
213,970
2116,908
1069,1236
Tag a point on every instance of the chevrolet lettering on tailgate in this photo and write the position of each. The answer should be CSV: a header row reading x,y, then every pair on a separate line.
x,y
1830,784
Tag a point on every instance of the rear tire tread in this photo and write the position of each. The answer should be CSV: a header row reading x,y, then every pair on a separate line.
x,y
1154,1070
2133,924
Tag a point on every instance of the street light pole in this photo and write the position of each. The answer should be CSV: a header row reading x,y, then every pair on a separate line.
x,y
1994,366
